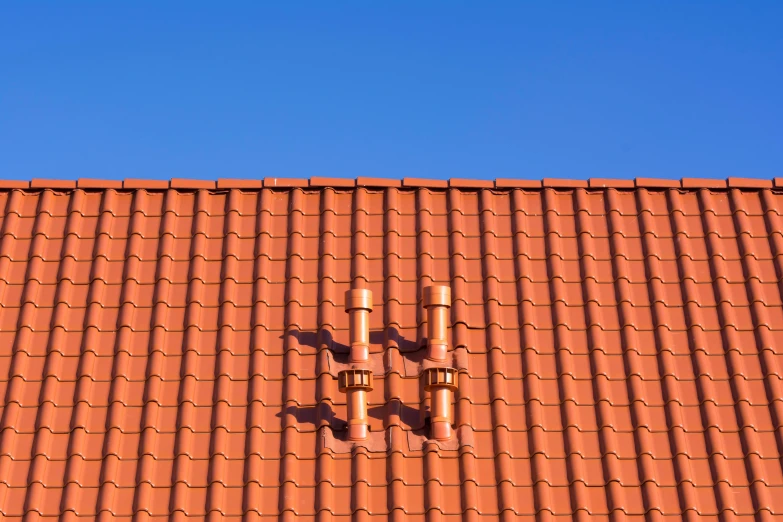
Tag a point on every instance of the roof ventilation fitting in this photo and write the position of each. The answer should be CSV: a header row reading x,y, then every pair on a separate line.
x,y
357,381
358,304
355,384
437,300
440,381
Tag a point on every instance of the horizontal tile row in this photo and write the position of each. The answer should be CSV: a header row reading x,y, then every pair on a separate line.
x,y
741,448
558,500
220,468
527,341
517,418
365,207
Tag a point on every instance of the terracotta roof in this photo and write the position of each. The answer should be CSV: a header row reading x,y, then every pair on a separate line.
x,y
172,349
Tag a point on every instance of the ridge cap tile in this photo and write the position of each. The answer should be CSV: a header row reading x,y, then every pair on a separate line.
x,y
657,183
192,184
611,183
750,183
14,184
425,183
58,184
692,183
93,183
471,183
778,182
518,183
286,183
240,183
320,181
564,183
147,184
362,181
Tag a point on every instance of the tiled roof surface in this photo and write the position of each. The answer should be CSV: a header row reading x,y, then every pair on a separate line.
x,y
171,349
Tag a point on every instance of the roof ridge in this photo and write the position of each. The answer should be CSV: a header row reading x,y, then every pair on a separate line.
x,y
349,183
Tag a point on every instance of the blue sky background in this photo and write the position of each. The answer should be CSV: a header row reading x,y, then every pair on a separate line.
x,y
426,89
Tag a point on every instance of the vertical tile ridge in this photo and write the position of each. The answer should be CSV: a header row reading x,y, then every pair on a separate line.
x,y
100,274
9,430
424,257
88,372
544,443
324,473
33,276
262,268
359,257
501,432
289,476
197,273
523,268
148,442
433,490
614,496
391,262
111,493
17,369
231,273
325,386
458,280
764,339
67,279
459,293
392,303
360,475
392,359
630,319
697,341
327,311
220,439
253,495
396,462
189,418
469,490
46,424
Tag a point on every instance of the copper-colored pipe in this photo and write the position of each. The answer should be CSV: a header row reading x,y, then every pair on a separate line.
x,y
357,414
441,383
440,407
358,304
355,383
437,300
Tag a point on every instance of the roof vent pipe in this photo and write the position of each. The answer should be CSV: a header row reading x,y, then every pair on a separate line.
x,y
441,383
358,304
437,300
356,383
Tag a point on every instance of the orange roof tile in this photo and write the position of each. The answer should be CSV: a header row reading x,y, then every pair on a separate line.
x,y
174,353
90,183
657,183
703,183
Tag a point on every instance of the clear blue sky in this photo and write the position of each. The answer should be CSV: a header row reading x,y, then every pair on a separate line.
x,y
394,89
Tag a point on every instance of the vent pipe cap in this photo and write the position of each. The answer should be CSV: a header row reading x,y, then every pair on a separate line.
x,y
437,295
358,299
